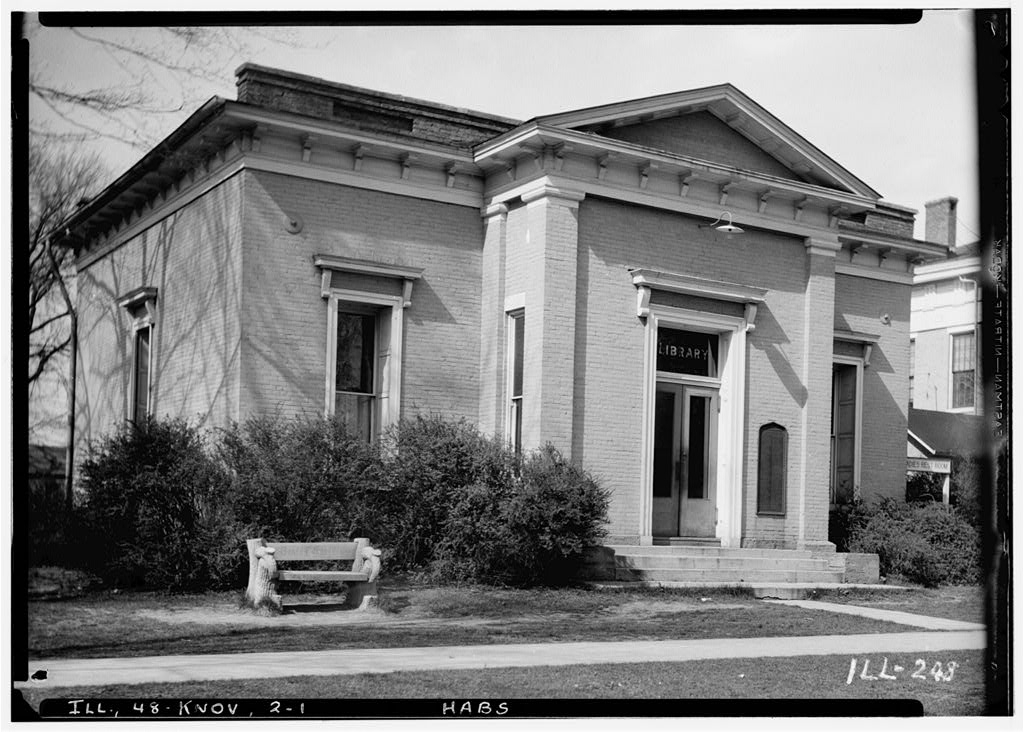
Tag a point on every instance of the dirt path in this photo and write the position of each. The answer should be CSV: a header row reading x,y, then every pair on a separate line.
x,y
312,611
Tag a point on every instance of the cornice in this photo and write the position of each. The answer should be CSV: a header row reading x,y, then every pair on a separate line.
x,y
138,296
697,286
944,270
532,139
655,199
328,132
874,273
396,185
332,263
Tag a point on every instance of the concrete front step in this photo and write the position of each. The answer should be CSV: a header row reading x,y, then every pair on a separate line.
x,y
710,562
743,574
693,551
774,590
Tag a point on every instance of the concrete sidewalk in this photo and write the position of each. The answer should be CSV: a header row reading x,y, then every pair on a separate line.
x,y
892,616
164,669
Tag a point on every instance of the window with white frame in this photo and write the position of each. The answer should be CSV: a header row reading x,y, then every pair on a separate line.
x,y
365,305
141,306
964,362
141,373
516,342
355,396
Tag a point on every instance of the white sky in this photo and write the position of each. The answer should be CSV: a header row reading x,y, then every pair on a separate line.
x,y
893,104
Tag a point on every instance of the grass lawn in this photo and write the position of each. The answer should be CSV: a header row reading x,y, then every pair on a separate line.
x,y
954,603
102,624
816,677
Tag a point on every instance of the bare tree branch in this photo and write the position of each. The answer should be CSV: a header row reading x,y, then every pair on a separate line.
x,y
58,181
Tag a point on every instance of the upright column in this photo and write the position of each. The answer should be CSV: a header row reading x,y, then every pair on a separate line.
x,y
492,319
550,342
819,315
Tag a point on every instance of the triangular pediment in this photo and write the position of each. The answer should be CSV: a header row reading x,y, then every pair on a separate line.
x,y
719,124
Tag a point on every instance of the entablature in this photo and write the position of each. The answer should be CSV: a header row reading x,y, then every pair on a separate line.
x,y
618,169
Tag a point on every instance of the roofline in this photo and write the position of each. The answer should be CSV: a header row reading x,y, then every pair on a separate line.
x,y
947,269
921,444
364,91
199,119
792,137
516,136
602,111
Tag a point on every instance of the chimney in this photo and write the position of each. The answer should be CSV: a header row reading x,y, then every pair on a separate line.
x,y
940,221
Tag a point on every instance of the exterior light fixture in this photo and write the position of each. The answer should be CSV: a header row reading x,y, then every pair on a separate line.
x,y
727,228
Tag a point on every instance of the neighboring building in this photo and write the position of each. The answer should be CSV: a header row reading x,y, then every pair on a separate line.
x,y
945,356
945,313
318,248
937,441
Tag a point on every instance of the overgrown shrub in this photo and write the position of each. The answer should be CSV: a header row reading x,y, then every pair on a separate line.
x,y
149,489
556,513
529,528
293,480
925,543
163,509
428,465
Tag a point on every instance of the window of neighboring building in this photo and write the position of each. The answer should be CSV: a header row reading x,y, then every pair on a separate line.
x,y
141,373
913,349
517,330
354,395
964,362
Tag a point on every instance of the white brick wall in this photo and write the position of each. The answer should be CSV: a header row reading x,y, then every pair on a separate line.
x,y
193,258
860,303
285,317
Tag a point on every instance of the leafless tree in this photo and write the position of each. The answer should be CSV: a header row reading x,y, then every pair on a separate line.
x,y
59,180
154,73
152,77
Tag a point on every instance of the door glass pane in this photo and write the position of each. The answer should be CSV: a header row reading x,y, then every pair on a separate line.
x,y
664,413
687,352
697,449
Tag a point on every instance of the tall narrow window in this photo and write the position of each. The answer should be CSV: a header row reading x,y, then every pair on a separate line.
x,y
354,395
140,400
772,446
913,349
844,433
964,360
516,322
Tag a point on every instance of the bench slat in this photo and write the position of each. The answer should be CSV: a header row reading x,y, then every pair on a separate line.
x,y
304,575
296,552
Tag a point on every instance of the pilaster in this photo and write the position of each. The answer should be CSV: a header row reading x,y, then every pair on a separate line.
x,y
550,338
819,314
492,318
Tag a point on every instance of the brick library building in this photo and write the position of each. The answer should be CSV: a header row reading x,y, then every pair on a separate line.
x,y
680,293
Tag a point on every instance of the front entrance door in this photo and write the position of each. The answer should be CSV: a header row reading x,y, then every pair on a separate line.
x,y
685,436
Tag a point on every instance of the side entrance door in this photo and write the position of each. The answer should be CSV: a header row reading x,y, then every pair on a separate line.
x,y
685,437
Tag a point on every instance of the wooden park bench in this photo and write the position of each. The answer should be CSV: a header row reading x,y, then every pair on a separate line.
x,y
360,576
